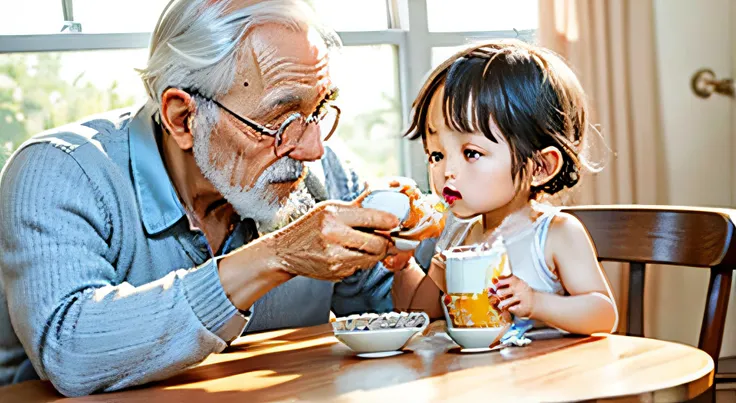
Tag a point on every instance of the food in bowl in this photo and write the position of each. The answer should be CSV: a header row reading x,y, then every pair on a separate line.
x,y
372,321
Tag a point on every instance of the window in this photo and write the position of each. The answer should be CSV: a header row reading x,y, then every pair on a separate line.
x,y
31,17
352,15
482,15
40,91
48,78
370,124
104,16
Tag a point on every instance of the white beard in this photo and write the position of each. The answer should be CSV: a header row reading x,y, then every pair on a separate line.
x,y
298,203
256,202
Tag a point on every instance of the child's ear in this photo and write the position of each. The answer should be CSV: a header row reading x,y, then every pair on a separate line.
x,y
551,164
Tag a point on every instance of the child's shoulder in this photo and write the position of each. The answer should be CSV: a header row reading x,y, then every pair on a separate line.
x,y
566,232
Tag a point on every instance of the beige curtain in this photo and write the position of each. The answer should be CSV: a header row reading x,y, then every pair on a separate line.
x,y
611,46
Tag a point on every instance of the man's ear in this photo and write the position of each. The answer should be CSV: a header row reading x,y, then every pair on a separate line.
x,y
551,164
177,107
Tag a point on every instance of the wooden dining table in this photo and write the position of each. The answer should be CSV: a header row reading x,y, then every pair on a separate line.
x,y
311,364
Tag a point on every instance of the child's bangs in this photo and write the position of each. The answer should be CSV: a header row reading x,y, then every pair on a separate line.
x,y
466,104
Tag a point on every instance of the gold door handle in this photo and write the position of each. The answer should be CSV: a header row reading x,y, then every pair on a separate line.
x,y
704,84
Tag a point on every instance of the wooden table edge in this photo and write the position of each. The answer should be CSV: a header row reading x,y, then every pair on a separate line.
x,y
702,382
678,393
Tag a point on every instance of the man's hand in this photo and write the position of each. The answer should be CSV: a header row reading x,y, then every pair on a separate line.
x,y
516,296
326,244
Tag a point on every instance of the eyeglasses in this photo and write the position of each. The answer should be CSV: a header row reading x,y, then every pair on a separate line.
x,y
326,117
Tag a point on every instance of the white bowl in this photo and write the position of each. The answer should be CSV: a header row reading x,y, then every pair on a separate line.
x,y
472,338
380,340
374,341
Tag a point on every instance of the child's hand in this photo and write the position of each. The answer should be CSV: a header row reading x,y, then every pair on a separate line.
x,y
397,262
516,296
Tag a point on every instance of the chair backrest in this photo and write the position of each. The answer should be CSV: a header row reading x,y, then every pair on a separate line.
x,y
681,236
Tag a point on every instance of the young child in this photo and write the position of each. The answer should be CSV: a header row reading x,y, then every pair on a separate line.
x,y
503,124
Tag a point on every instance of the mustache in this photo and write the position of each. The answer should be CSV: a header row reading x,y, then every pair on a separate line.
x,y
284,170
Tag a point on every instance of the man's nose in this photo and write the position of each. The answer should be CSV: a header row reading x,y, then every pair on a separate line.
x,y
308,147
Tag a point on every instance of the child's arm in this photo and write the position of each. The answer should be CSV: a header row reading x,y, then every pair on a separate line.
x,y
590,307
413,290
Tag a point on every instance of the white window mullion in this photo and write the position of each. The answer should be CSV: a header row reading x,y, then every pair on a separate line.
x,y
414,66
68,8
72,42
398,19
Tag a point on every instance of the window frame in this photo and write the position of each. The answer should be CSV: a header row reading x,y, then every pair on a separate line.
x,y
408,31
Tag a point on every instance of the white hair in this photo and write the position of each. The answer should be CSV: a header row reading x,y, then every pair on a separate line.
x,y
195,43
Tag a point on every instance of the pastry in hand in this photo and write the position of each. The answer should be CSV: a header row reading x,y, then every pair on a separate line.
x,y
426,217
422,216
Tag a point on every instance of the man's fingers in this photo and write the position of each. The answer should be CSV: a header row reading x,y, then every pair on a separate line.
x,y
367,218
360,241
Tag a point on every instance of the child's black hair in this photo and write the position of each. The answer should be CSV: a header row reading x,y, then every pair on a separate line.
x,y
530,92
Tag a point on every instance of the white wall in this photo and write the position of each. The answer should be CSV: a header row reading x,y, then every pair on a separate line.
x,y
698,149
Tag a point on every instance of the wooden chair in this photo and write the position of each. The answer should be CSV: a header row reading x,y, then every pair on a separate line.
x,y
697,237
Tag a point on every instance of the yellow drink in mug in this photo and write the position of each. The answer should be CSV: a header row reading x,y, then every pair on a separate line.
x,y
471,299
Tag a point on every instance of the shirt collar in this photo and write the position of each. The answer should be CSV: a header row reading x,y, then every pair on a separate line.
x,y
159,204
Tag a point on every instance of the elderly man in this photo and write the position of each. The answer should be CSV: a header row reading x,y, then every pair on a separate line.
x,y
129,245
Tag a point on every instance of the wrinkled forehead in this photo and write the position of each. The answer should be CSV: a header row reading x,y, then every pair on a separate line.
x,y
302,44
288,67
